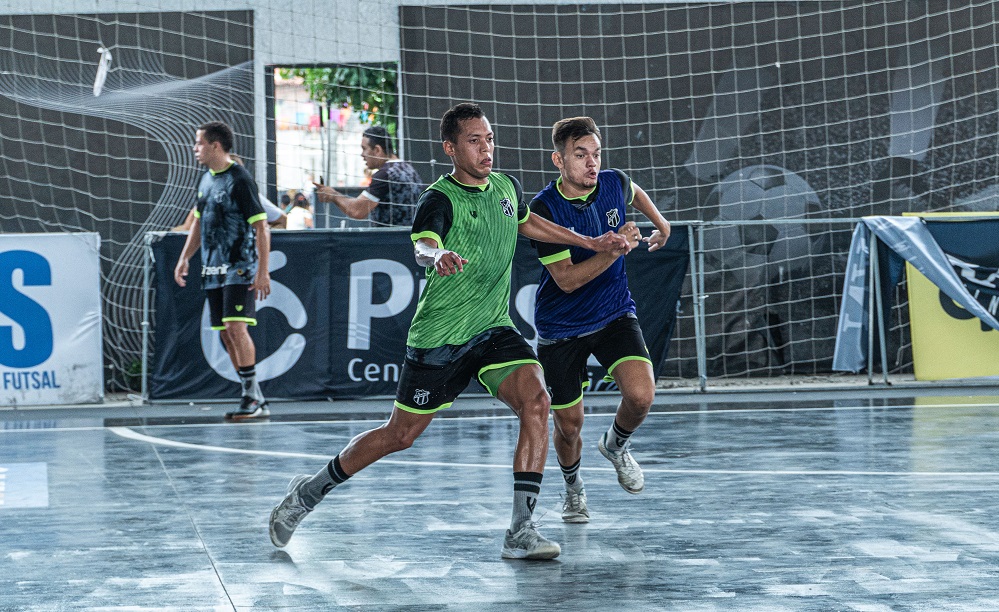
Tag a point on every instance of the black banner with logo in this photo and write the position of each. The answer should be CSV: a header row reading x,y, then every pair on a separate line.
x,y
335,324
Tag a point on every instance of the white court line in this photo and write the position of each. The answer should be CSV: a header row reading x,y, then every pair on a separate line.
x,y
125,432
501,417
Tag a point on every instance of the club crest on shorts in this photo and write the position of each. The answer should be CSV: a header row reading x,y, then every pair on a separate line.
x,y
507,207
421,397
613,218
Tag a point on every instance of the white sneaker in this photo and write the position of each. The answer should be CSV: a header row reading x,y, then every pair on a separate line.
x,y
527,543
574,507
286,516
629,473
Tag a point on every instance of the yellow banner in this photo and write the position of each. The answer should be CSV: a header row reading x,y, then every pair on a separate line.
x,y
945,345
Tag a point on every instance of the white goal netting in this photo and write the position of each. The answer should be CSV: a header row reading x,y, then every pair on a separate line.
x,y
725,112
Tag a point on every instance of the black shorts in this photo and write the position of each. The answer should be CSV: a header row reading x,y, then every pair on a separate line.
x,y
564,361
231,303
431,379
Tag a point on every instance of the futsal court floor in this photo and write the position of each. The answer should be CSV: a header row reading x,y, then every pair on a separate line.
x,y
796,501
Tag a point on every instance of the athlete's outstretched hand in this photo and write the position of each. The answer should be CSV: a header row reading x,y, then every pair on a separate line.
x,y
658,239
611,241
448,262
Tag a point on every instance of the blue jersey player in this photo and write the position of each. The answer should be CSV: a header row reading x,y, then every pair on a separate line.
x,y
584,307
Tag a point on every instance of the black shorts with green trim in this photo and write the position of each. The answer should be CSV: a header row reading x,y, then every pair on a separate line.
x,y
431,379
231,303
564,360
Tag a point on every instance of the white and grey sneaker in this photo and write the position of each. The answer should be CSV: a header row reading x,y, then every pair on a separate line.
x,y
286,516
249,410
527,543
574,507
629,473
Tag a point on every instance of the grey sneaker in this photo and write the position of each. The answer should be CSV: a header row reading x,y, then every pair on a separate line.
x,y
249,410
574,507
286,516
629,473
527,543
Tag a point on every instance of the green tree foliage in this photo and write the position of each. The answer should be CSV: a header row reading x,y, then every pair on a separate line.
x,y
369,90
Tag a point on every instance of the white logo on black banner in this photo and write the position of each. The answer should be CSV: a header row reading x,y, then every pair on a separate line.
x,y
507,207
282,299
613,218
421,397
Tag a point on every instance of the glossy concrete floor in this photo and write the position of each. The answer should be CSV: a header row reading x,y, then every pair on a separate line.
x,y
794,502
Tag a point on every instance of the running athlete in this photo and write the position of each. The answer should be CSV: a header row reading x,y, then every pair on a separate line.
x,y
583,306
465,233
235,245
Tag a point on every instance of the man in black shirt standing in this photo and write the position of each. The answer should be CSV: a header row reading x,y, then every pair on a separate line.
x,y
395,186
231,230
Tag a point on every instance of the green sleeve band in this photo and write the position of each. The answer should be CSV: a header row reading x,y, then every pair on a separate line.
x,y
428,234
556,257
526,217
261,217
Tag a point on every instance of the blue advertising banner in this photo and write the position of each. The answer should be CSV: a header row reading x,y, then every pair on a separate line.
x,y
336,321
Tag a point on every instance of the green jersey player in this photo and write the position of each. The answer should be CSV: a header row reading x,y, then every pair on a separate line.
x,y
465,232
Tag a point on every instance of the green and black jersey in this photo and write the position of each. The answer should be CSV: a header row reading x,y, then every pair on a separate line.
x,y
227,207
480,224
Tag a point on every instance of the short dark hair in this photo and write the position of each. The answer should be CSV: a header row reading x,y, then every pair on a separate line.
x,y
379,137
451,121
571,130
216,131
285,199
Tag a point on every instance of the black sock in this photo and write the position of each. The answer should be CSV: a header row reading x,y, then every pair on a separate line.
x,y
617,437
573,481
248,381
315,489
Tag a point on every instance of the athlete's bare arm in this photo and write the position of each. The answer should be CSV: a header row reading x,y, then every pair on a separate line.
x,y
569,276
262,280
355,208
643,204
190,246
543,230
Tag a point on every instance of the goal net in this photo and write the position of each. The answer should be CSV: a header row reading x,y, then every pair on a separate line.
x,y
769,126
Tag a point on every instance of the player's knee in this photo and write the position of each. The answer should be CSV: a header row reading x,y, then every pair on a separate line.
x,y
399,439
639,399
568,428
535,406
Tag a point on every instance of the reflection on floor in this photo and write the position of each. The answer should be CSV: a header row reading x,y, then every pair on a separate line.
x,y
772,505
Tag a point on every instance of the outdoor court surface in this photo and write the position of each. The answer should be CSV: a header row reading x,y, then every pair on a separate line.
x,y
850,501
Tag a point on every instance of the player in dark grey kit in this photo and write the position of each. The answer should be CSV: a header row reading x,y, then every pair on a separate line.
x,y
395,187
231,230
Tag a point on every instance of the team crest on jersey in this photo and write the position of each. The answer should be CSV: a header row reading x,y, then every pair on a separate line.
x,y
613,218
421,397
507,207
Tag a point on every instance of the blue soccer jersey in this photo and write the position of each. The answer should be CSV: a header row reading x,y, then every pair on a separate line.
x,y
605,298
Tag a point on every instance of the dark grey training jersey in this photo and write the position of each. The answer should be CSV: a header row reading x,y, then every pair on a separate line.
x,y
227,207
